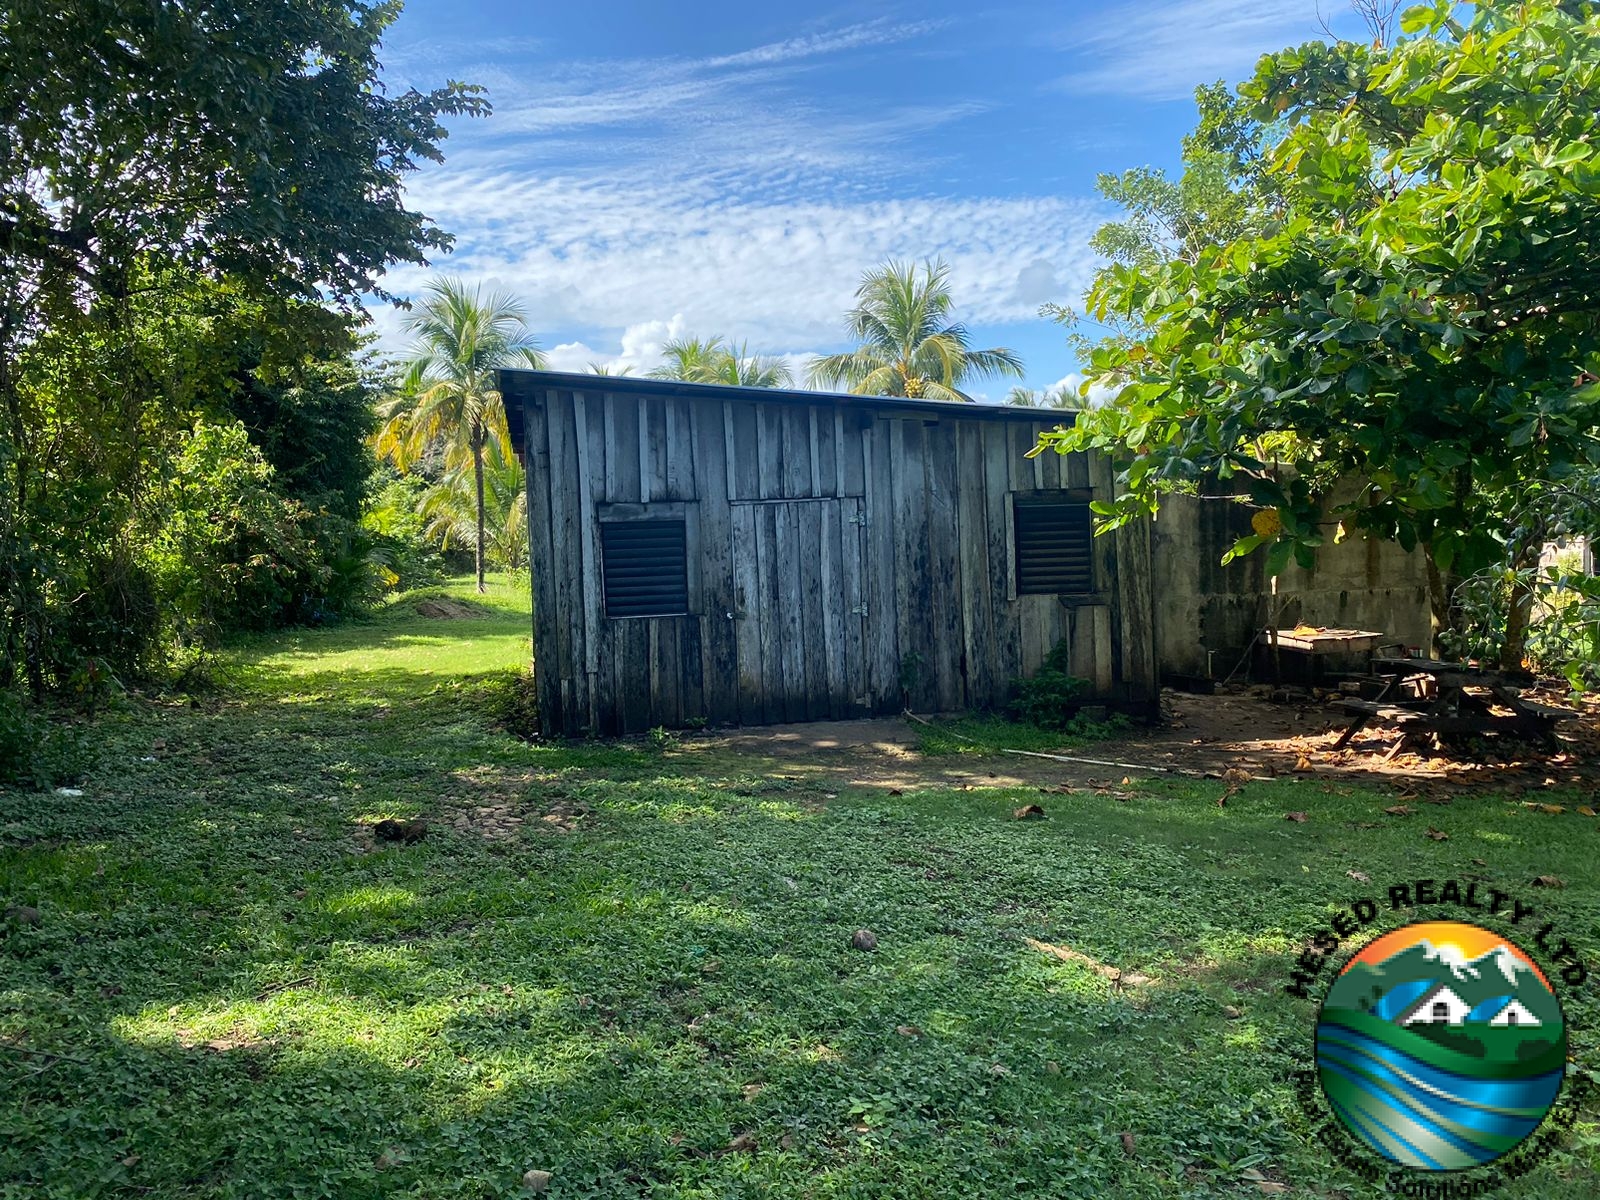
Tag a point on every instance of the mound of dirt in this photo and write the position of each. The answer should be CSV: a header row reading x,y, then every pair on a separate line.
x,y
449,610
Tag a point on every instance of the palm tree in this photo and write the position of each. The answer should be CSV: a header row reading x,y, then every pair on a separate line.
x,y
743,369
908,344
448,402
691,359
1062,397
449,508
714,360
600,368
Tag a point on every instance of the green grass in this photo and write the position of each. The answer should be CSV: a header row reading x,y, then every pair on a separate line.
x,y
224,998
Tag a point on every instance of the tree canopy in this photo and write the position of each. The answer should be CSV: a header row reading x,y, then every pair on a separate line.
x,y
1425,316
184,189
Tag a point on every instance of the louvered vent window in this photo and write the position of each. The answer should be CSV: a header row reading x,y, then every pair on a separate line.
x,y
644,568
1052,538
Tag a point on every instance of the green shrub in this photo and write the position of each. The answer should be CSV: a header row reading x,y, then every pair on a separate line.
x,y
1050,699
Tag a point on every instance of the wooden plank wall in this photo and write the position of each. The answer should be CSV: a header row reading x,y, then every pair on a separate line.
x,y
803,517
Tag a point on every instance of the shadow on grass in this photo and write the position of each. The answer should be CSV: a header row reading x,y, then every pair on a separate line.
x,y
659,995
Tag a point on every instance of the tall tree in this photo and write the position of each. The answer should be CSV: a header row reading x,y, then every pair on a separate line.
x,y
448,401
908,344
145,144
1427,318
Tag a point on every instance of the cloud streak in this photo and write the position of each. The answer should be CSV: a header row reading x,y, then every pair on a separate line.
x,y
1171,47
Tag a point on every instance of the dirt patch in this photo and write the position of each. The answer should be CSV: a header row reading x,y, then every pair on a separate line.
x,y
1221,736
449,610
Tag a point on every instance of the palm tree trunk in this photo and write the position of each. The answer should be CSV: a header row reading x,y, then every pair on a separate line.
x,y
477,478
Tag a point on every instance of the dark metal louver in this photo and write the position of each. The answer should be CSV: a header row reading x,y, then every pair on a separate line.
x,y
644,568
1053,538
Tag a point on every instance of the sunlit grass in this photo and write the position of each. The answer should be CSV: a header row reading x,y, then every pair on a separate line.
x,y
657,994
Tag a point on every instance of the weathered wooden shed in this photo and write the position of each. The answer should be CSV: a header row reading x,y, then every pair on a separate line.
x,y
746,555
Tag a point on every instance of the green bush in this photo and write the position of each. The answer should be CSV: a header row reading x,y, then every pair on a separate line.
x,y
1050,699
402,555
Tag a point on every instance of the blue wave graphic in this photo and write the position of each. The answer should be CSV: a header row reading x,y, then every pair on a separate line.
x,y
1423,1116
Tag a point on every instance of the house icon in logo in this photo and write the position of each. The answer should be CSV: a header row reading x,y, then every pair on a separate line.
x,y
1440,1005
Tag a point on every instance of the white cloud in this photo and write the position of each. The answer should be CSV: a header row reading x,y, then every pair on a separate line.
x,y
596,253
1164,50
607,195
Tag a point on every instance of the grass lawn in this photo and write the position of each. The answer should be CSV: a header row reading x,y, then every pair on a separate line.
x,y
632,967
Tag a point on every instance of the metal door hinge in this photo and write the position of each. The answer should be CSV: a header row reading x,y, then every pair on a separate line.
x,y
859,518
859,610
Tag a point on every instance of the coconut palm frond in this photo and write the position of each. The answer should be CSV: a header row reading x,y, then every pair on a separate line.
x,y
907,343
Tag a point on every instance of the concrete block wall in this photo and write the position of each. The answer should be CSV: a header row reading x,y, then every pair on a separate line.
x,y
1207,614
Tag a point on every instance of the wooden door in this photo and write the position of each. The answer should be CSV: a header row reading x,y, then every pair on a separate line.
x,y
799,609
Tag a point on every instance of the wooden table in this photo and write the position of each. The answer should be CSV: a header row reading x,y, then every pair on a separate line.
x,y
1316,645
1462,705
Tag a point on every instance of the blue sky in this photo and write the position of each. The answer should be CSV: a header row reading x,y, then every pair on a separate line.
x,y
654,169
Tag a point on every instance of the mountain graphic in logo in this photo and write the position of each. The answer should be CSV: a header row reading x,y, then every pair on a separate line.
x,y
1441,1046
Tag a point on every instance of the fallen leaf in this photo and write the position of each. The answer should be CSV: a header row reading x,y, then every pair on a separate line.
x,y
1029,812
1126,780
1398,810
864,939
752,1090
1303,764
536,1181
1550,881
1299,818
1232,1013
745,1143
908,1031
1253,1175
999,1070
1586,810
1235,775
1359,876
1052,1068
1127,1144
1554,810
1480,862
1438,835
1270,1188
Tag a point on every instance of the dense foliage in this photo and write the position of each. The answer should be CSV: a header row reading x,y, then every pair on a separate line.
x,y
1425,315
182,187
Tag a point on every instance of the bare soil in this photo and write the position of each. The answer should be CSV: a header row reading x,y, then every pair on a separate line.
x,y
1240,731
